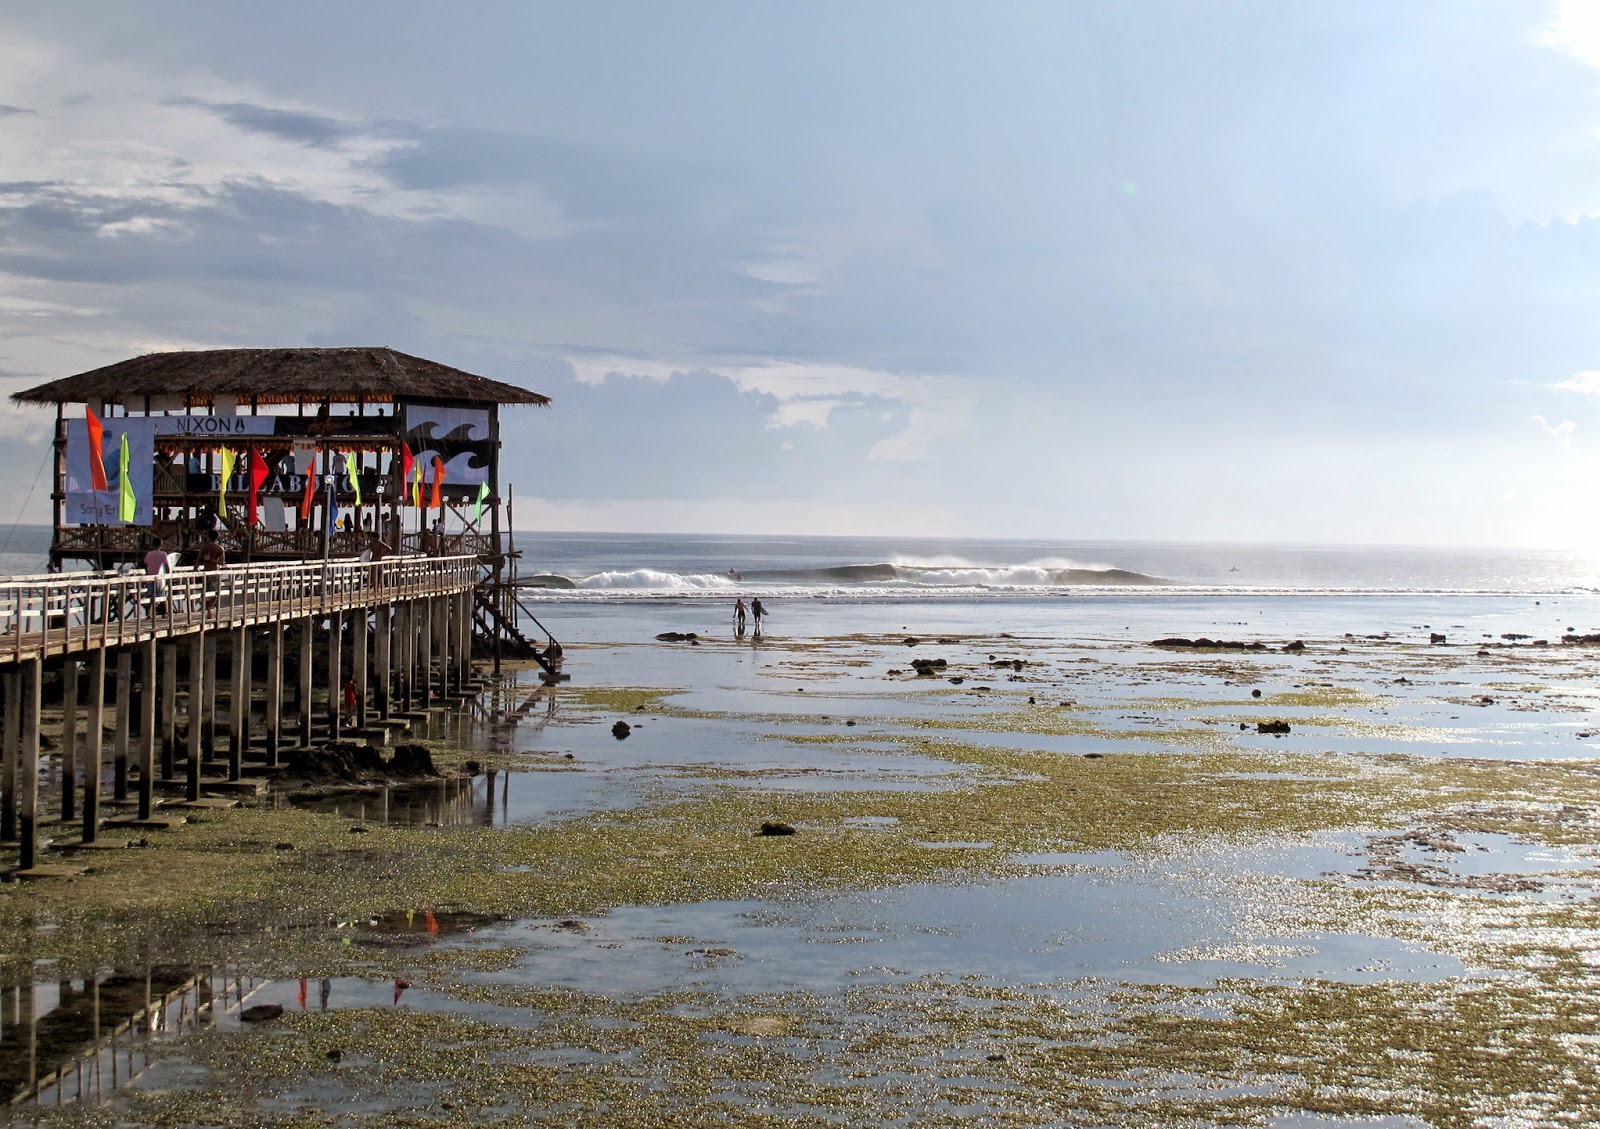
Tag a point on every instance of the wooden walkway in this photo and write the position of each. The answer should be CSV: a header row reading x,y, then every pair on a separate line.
x,y
386,634
71,613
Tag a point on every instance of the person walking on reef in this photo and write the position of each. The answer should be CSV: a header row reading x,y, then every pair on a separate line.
x,y
757,610
738,615
350,700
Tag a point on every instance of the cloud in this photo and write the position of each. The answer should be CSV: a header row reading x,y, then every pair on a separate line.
x,y
1562,431
1587,382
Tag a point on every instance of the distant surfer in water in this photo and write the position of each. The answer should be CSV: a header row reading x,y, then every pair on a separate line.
x,y
738,616
733,574
757,609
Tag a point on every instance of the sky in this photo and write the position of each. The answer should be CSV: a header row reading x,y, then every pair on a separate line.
x,y
1104,269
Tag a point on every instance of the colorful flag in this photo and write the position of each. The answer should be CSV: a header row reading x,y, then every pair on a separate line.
x,y
483,496
308,499
258,477
406,459
97,455
127,504
437,501
416,485
229,458
354,472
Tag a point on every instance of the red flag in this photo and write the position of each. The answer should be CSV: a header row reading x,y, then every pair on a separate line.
x,y
309,498
97,457
406,459
437,502
258,477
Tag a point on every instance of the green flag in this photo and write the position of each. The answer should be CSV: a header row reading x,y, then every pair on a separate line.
x,y
483,496
354,472
127,505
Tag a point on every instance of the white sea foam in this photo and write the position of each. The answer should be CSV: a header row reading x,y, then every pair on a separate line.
x,y
646,580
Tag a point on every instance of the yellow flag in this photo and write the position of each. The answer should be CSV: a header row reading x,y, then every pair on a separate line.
x,y
228,459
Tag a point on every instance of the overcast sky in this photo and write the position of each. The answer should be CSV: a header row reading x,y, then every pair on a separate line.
x,y
1159,270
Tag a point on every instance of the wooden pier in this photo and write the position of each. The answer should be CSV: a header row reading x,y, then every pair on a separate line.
x,y
400,628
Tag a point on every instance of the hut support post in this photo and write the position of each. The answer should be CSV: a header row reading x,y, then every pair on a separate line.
x,y
147,730
169,710
307,643
12,749
197,706
274,703
124,720
407,636
93,747
32,671
69,740
464,666
360,640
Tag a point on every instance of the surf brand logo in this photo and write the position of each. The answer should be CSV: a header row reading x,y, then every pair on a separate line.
x,y
214,425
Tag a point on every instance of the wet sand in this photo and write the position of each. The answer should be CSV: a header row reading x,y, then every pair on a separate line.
x,y
1062,880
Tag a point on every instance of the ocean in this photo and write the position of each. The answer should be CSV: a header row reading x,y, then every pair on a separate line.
x,y
613,566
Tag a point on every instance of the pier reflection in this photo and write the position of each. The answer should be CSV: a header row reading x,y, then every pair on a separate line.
x,y
483,800
77,1041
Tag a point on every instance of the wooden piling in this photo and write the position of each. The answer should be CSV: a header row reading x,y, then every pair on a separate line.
x,y
69,740
360,640
197,705
11,750
147,729
238,704
274,702
32,671
169,709
307,641
92,748
335,697
383,643
123,722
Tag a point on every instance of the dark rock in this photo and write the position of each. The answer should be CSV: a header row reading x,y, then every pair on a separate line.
x,y
1569,637
359,830
852,721
912,641
1092,756
283,847
1255,693
1204,644
334,1054
895,670
957,680
678,637
1435,637
1273,727
1294,648
620,730
773,827
472,768
996,1057
260,1013
411,760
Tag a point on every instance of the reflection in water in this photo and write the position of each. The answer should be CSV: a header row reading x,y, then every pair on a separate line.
x,y
453,802
79,1040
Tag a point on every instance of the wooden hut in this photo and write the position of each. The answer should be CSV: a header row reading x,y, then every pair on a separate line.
x,y
287,454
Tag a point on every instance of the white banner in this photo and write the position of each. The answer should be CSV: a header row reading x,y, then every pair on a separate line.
x,y
222,427
86,506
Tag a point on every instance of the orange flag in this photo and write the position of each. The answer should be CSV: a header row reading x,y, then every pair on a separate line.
x,y
437,502
309,498
97,456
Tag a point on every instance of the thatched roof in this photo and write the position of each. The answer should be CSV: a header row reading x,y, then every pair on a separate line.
x,y
278,376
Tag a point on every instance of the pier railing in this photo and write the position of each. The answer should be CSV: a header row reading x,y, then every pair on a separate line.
x,y
66,613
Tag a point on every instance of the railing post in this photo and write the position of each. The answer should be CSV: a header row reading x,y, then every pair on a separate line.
x,y
197,705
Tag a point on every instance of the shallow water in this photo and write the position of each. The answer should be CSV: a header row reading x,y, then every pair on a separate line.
x,y
1185,914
